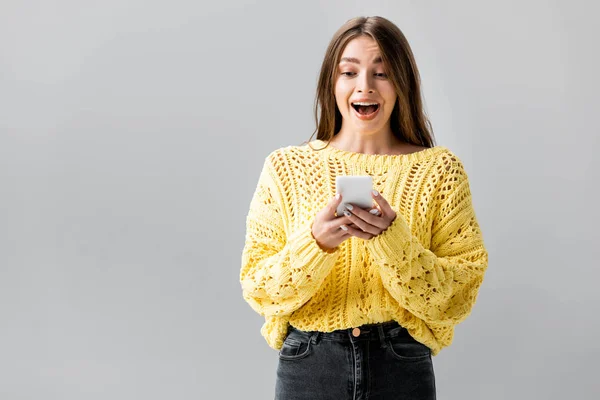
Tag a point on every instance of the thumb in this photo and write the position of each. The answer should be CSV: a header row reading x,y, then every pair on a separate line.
x,y
335,201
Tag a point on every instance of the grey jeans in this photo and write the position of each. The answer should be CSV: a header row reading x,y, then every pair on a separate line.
x,y
376,362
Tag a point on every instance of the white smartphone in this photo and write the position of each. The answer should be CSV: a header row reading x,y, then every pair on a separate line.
x,y
356,190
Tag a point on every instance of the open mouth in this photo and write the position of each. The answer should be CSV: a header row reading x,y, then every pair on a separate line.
x,y
365,108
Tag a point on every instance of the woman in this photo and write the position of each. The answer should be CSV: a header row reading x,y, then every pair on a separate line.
x,y
358,304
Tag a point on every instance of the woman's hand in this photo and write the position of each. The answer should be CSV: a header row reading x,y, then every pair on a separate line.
x,y
370,225
327,228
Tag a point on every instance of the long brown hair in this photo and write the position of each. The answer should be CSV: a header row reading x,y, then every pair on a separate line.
x,y
408,120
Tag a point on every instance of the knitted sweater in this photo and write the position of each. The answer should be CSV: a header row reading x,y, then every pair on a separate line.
x,y
424,270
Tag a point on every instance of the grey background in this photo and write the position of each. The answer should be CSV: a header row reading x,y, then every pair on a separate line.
x,y
131,138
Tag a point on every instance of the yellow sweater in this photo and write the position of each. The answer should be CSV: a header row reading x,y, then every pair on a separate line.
x,y
424,271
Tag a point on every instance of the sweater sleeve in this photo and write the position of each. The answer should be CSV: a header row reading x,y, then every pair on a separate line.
x,y
279,272
439,285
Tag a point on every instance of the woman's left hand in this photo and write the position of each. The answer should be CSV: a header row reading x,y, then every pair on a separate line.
x,y
370,225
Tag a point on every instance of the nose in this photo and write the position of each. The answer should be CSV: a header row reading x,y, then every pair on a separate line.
x,y
364,84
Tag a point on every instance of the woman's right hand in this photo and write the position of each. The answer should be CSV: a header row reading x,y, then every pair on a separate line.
x,y
326,228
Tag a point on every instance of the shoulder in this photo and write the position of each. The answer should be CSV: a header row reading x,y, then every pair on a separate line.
x,y
447,161
290,154
452,177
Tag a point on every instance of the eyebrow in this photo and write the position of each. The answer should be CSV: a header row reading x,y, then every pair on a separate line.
x,y
356,61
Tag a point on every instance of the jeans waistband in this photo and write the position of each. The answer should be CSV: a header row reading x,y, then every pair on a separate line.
x,y
379,331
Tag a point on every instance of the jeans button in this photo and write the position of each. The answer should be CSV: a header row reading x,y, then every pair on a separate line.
x,y
356,332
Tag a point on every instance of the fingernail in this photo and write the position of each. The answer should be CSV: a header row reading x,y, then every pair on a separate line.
x,y
347,213
349,206
337,196
344,227
374,211
375,192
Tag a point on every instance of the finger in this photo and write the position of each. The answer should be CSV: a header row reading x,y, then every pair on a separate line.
x,y
359,233
345,231
333,204
342,231
375,211
371,216
361,223
368,222
335,224
383,204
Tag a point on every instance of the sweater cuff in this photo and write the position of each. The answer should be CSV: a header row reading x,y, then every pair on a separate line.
x,y
393,247
317,261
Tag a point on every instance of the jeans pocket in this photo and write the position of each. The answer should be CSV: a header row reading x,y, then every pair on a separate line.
x,y
296,345
404,347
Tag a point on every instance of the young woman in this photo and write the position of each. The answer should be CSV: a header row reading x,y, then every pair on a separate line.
x,y
358,304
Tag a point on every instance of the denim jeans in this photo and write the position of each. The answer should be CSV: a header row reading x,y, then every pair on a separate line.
x,y
375,362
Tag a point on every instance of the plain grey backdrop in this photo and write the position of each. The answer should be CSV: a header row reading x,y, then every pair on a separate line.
x,y
132,134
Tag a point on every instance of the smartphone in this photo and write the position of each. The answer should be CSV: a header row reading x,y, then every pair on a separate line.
x,y
356,190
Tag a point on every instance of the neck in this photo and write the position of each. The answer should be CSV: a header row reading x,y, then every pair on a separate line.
x,y
359,142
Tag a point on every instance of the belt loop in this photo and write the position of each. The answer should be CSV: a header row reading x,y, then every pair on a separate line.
x,y
315,337
382,339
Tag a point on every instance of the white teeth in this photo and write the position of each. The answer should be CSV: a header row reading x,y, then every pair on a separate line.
x,y
364,104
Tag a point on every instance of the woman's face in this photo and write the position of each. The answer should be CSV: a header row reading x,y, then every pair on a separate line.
x,y
361,78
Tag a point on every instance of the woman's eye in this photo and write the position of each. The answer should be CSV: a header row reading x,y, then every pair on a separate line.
x,y
380,75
